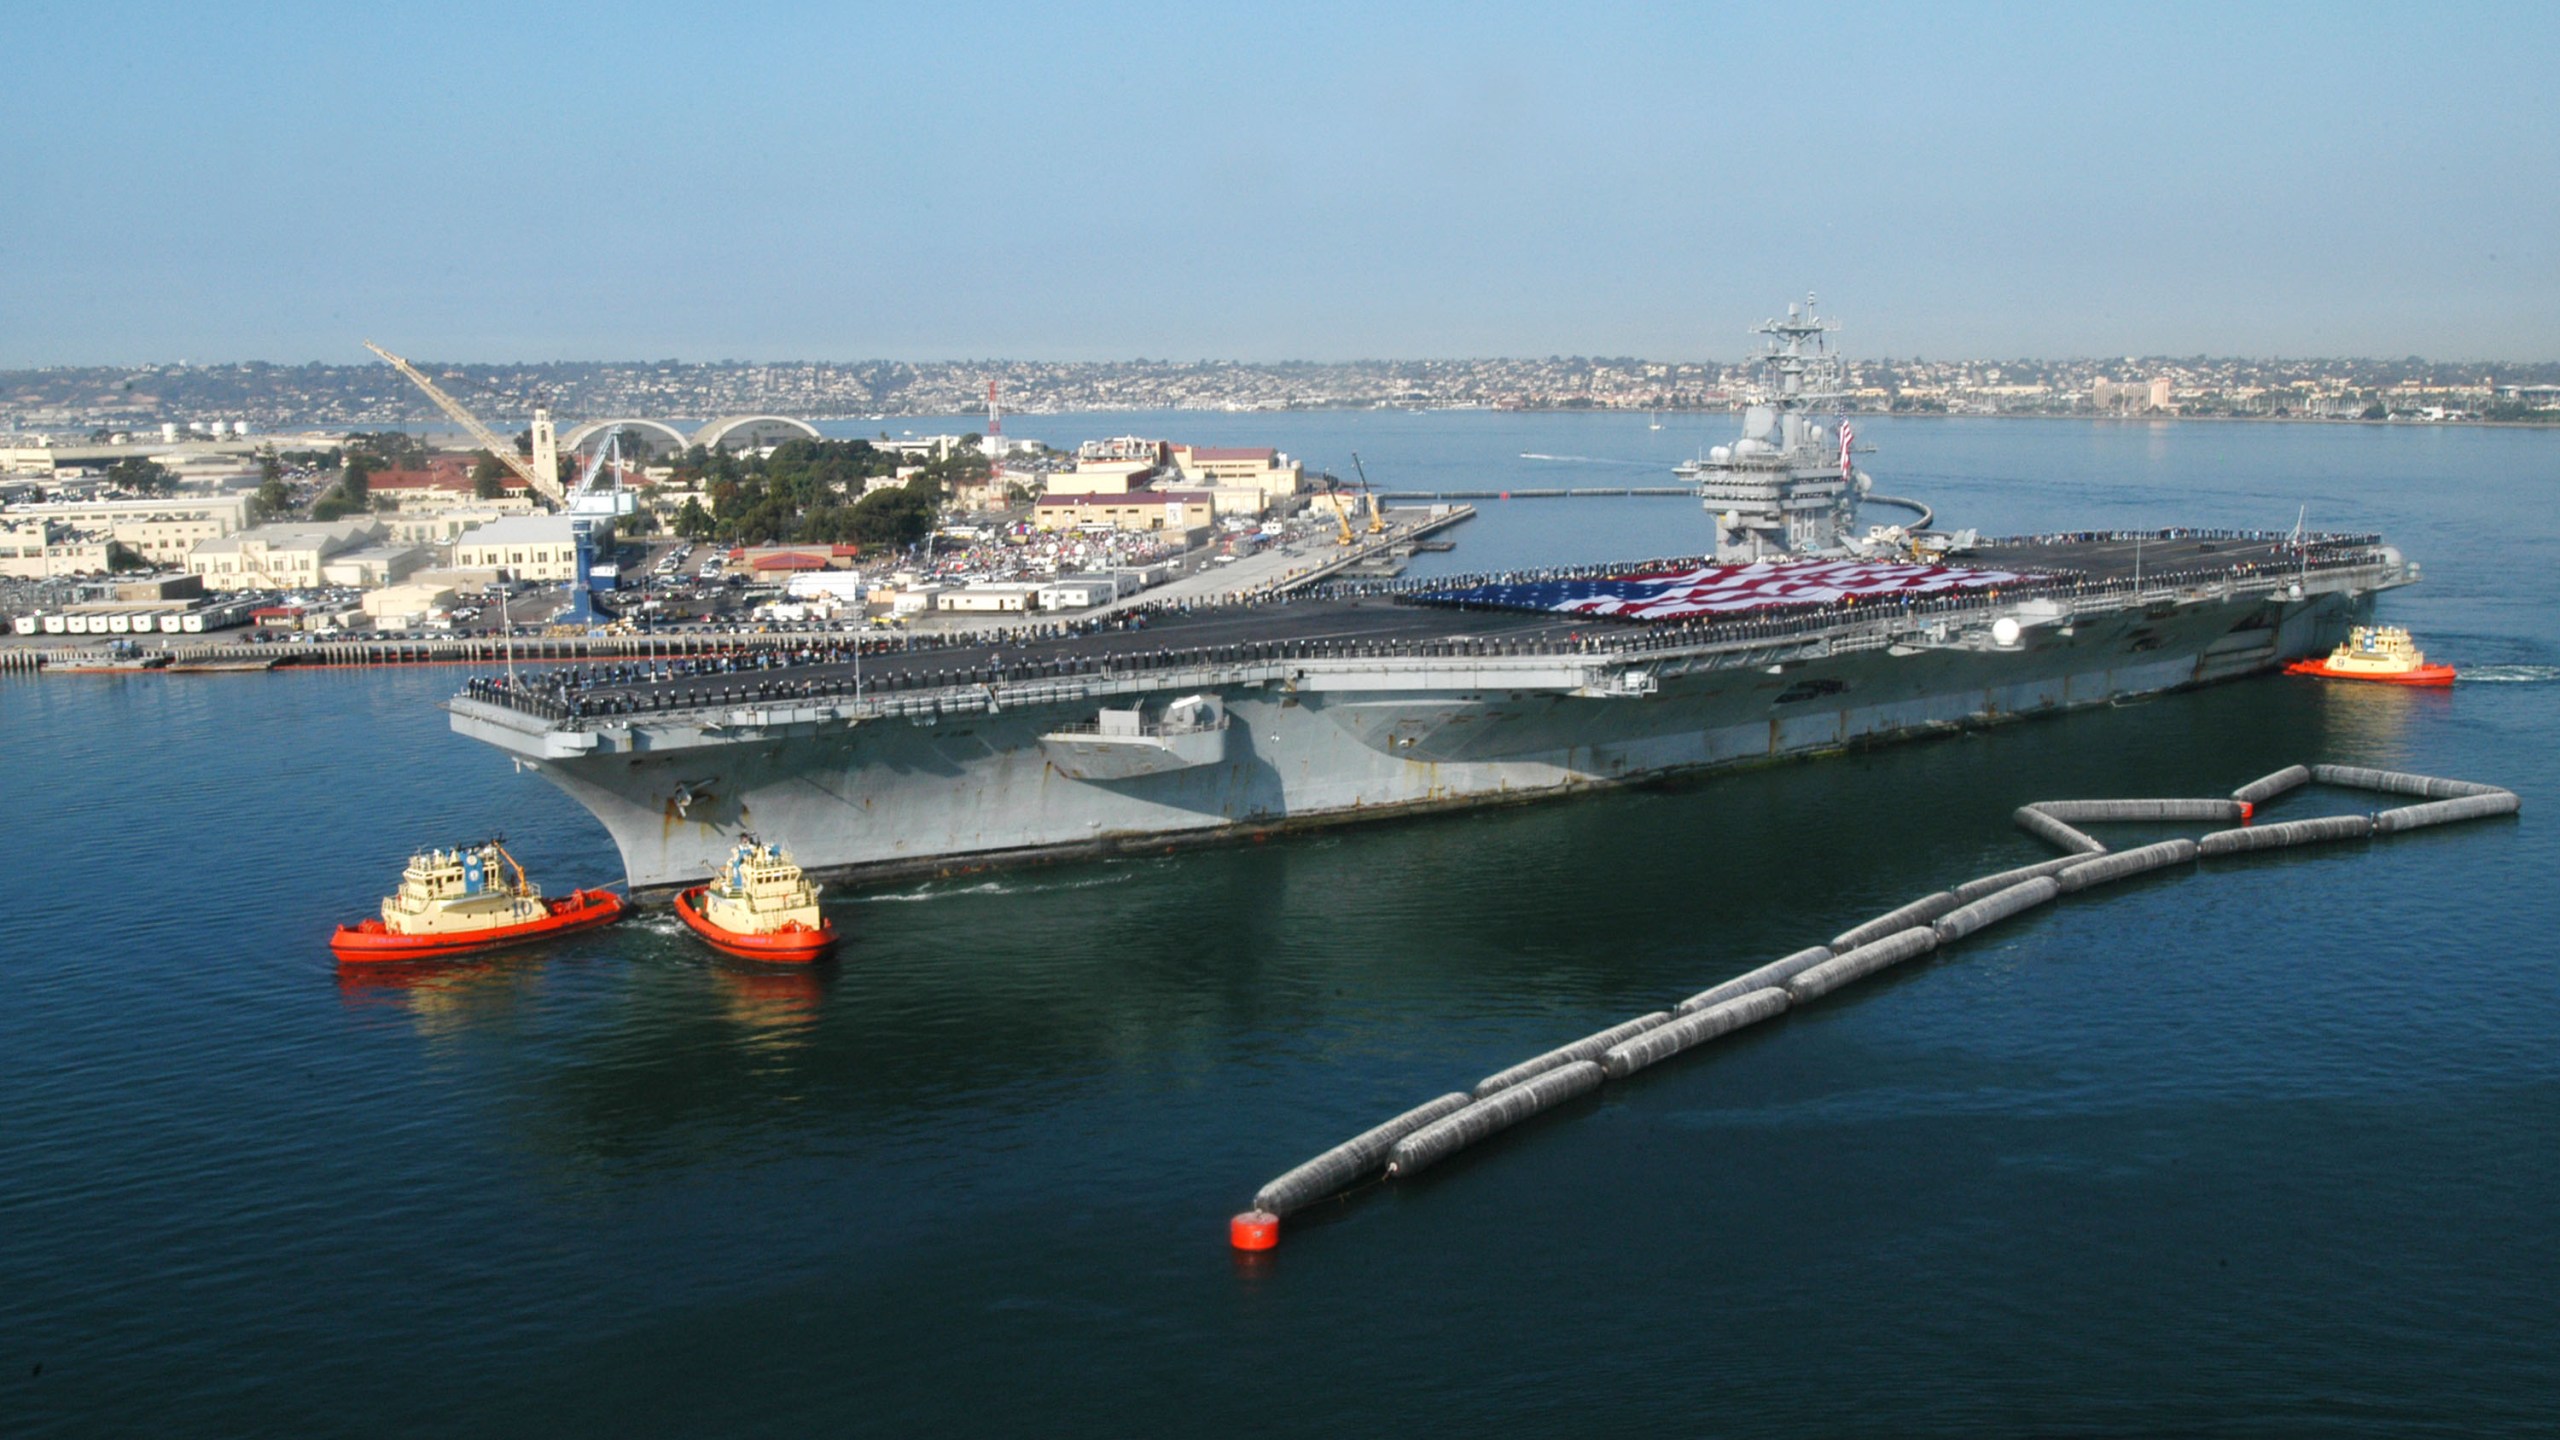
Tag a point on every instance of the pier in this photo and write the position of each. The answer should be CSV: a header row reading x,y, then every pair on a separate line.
x,y
1576,492
1403,536
241,657
1928,517
1239,593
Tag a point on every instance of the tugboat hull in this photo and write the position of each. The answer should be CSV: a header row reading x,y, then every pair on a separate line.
x,y
794,944
373,942
2430,676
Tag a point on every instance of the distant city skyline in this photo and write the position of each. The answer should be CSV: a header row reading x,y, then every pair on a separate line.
x,y
1323,184
71,403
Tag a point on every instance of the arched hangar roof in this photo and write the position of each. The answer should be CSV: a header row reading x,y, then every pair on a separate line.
x,y
667,436
719,431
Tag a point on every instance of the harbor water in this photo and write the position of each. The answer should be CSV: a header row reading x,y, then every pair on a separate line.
x,y
2264,1148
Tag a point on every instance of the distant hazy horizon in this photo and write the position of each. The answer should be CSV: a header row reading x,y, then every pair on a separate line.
x,y
1320,182
1737,356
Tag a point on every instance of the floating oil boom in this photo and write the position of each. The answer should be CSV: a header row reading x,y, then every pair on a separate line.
x,y
1429,1133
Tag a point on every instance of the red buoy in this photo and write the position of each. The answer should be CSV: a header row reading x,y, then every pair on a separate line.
x,y
2248,810
1254,1230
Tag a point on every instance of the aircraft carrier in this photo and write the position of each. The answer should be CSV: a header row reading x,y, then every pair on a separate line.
x,y
1366,699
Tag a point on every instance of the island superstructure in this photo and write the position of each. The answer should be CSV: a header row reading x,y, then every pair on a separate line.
x,y
1374,699
1789,486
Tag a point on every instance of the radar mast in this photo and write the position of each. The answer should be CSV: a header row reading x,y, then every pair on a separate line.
x,y
1787,487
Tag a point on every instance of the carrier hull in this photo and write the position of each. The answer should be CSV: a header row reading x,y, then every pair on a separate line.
x,y
896,786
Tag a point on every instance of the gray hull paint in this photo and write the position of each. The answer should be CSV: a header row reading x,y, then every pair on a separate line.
x,y
1328,741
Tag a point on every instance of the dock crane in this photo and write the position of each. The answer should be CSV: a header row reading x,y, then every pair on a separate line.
x,y
1341,512
542,472
1377,513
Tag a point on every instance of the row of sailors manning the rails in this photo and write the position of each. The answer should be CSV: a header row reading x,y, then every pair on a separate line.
x,y
1713,592
2382,654
477,898
1716,591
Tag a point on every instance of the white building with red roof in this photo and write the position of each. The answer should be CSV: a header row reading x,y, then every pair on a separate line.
x,y
444,482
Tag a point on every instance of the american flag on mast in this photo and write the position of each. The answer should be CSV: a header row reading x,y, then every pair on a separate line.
x,y
1848,437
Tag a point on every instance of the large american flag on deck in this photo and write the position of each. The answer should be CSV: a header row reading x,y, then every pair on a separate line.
x,y
1724,589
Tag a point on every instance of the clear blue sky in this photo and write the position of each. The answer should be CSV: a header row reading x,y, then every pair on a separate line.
x,y
780,181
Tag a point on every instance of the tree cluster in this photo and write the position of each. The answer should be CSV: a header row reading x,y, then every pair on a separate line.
x,y
142,476
488,476
364,453
806,491
271,501
395,449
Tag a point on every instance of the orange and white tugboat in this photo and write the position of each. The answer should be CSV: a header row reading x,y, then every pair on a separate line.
x,y
455,902
761,907
2383,653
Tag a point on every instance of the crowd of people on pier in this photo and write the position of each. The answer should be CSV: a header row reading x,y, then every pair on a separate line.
x,y
1020,552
